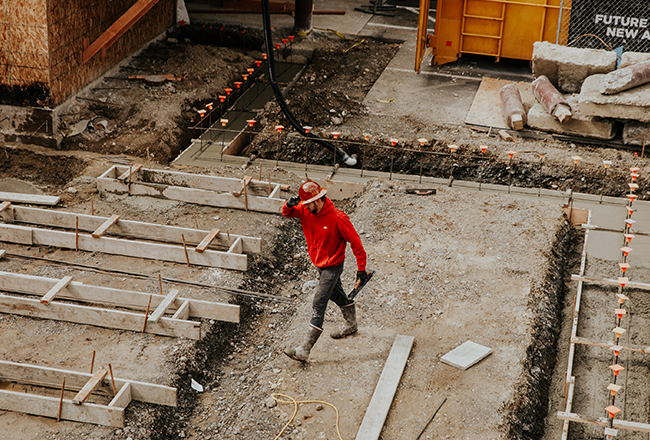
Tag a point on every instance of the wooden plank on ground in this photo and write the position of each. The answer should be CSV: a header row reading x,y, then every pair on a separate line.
x,y
80,292
107,224
160,310
56,289
382,398
148,231
52,377
618,424
207,240
106,318
31,199
94,381
2,253
4,205
48,407
123,397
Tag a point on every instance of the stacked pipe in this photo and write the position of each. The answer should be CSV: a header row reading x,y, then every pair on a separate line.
x,y
613,388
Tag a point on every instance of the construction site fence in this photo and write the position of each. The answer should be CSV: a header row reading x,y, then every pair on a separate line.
x,y
622,25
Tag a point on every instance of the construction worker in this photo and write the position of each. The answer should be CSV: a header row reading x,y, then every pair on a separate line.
x,y
327,231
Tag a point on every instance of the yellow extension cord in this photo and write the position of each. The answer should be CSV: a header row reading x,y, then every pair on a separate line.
x,y
295,411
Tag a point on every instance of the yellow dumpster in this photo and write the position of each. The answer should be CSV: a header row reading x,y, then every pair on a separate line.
x,y
499,28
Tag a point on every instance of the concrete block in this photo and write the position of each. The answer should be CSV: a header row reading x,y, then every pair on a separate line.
x,y
579,125
630,58
567,67
636,133
631,104
466,355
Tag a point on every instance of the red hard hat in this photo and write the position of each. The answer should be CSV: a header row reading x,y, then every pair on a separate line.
x,y
310,191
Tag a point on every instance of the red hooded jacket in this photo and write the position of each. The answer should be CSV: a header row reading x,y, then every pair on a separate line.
x,y
327,234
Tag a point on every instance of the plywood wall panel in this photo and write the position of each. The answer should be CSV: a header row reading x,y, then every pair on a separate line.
x,y
3,11
49,49
27,12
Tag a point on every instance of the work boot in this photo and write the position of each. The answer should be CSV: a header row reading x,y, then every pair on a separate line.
x,y
350,326
302,353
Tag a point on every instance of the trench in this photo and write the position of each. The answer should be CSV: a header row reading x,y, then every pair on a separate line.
x,y
526,413
208,356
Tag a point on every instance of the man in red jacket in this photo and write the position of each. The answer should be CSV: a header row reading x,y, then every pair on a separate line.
x,y
327,231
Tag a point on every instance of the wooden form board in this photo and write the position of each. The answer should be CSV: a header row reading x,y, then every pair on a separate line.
x,y
192,188
76,291
32,199
618,424
99,317
148,231
610,282
116,246
382,398
108,415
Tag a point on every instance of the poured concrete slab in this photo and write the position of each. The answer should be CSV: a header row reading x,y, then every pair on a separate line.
x,y
466,355
631,104
579,125
568,67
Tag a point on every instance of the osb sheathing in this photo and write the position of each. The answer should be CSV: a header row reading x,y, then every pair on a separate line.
x,y
23,42
43,40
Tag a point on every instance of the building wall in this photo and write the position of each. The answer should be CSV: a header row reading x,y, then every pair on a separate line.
x,y
42,43
23,42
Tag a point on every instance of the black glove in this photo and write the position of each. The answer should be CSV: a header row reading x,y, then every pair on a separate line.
x,y
362,277
293,201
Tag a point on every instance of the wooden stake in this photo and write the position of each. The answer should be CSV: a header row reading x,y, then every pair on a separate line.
x,y
229,242
92,363
92,205
76,233
146,315
187,257
58,416
160,283
269,183
245,199
196,223
643,149
260,179
110,369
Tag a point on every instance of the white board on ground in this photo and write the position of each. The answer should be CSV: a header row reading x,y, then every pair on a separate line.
x,y
382,398
466,355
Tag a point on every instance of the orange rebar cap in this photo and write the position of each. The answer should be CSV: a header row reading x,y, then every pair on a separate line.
x,y
310,191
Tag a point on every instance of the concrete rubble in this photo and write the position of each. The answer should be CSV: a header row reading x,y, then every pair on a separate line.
x,y
631,58
631,104
579,125
625,79
567,67
636,133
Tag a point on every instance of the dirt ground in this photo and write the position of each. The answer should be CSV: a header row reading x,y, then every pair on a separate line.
x,y
451,267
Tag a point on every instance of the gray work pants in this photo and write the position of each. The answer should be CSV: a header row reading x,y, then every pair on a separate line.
x,y
329,288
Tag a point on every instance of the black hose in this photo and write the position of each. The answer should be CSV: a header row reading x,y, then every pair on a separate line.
x,y
268,41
